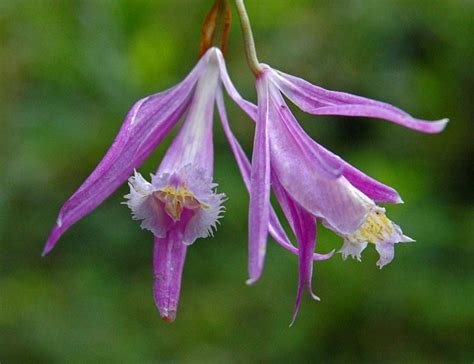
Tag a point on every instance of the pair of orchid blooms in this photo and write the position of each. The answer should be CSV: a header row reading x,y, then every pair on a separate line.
x,y
310,183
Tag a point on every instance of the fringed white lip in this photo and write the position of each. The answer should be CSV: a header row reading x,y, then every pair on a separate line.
x,y
378,230
160,205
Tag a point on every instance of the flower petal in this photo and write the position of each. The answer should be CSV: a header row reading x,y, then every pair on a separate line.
x,y
353,249
205,220
334,200
377,230
304,226
259,209
145,206
275,229
245,105
194,143
386,251
328,168
168,262
374,189
318,101
146,124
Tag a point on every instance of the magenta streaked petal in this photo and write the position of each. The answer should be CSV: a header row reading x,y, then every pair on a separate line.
x,y
191,155
245,105
369,186
274,228
374,189
319,101
429,127
307,243
304,226
334,200
168,261
194,143
146,124
259,207
328,168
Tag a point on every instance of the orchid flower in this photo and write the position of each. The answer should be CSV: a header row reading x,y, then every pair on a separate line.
x,y
180,204
311,183
324,185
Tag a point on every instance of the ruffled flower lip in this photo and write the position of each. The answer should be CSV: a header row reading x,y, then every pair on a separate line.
x,y
378,230
180,198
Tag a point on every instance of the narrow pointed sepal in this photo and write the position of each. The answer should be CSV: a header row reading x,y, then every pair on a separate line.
x,y
259,211
372,188
306,236
274,226
304,226
319,101
168,262
144,127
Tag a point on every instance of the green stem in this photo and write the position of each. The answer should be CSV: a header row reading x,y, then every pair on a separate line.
x,y
249,43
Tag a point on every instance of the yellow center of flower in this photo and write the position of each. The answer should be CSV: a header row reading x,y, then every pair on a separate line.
x,y
376,228
178,199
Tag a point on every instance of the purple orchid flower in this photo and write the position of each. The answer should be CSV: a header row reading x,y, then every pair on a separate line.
x,y
310,182
180,204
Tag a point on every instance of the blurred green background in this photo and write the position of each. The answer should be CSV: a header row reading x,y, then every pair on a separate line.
x,y
70,70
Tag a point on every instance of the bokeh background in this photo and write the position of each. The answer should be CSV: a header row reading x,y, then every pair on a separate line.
x,y
69,72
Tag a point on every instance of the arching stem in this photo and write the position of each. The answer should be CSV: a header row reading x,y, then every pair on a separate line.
x,y
249,42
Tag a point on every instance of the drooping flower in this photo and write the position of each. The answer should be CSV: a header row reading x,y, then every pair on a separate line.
x,y
310,182
179,205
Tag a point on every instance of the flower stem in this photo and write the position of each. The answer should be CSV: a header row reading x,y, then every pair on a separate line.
x,y
248,39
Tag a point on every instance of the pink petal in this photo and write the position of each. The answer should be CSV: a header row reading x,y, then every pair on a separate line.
x,y
194,142
372,188
318,101
304,226
275,229
332,199
245,105
168,262
146,124
259,210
